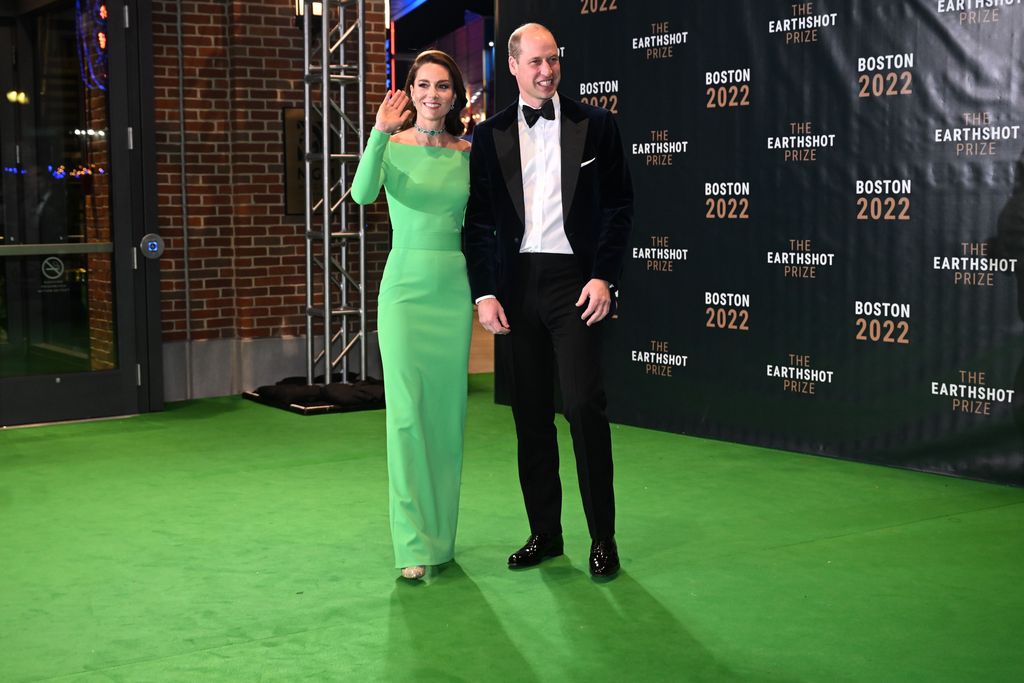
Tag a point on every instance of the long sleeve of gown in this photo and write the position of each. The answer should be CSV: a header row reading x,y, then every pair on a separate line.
x,y
370,173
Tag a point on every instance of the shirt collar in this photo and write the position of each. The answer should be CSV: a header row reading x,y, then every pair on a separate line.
x,y
522,103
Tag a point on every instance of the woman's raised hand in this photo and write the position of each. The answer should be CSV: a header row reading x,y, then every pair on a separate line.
x,y
392,114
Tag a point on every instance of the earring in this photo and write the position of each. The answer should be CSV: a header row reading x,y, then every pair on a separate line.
x,y
452,108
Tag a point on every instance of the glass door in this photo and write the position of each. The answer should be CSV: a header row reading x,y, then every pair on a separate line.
x,y
67,343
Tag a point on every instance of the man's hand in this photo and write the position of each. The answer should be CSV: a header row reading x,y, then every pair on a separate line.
x,y
600,301
492,316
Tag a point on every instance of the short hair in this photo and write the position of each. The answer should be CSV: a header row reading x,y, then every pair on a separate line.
x,y
515,40
453,119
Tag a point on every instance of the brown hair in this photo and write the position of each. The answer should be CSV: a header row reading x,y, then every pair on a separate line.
x,y
453,119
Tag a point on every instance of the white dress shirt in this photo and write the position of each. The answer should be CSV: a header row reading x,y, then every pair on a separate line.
x,y
540,157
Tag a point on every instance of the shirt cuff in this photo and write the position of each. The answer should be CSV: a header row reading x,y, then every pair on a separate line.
x,y
485,296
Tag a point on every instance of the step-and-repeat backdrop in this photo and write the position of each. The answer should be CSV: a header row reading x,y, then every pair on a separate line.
x,y
829,233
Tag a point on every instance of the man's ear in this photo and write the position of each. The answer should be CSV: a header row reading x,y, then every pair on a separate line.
x,y
513,67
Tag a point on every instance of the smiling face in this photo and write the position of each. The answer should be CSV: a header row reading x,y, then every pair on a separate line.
x,y
432,94
538,68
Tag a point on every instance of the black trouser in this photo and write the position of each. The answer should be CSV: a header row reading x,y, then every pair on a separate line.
x,y
545,326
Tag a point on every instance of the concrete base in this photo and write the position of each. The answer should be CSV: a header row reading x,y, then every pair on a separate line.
x,y
223,367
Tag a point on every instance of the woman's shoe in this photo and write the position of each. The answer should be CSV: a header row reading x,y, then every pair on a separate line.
x,y
414,573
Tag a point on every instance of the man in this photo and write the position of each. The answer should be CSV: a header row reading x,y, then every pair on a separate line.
x,y
547,224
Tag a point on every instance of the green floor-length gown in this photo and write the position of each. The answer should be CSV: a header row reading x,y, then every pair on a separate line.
x,y
424,318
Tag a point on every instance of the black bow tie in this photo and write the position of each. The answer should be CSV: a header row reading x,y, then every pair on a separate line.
x,y
547,110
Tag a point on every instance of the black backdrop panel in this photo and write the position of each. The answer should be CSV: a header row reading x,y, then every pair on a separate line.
x,y
829,220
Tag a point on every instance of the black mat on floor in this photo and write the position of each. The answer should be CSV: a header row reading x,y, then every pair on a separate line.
x,y
292,393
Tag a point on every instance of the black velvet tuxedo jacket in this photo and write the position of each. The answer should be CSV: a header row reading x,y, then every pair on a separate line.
x,y
597,197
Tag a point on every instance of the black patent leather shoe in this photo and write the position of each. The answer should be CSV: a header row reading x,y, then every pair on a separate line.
x,y
538,547
604,558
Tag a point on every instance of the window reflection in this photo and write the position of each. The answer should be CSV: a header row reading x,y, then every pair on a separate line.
x,y
56,309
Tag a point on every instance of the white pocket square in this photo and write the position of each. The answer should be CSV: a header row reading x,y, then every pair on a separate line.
x,y
588,161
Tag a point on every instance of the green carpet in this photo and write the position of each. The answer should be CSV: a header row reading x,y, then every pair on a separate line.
x,y
222,540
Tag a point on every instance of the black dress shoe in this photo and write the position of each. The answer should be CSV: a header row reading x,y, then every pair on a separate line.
x,y
538,547
604,557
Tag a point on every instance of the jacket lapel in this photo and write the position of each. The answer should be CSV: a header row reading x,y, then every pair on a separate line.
x,y
573,137
506,146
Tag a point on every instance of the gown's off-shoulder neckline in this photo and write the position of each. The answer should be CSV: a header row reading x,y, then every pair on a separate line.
x,y
406,144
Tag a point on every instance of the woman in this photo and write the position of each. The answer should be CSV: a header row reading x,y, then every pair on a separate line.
x,y
424,311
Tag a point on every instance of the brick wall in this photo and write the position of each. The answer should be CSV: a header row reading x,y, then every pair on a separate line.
x,y
242,66
96,217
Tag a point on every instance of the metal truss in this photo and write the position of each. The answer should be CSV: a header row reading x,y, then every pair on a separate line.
x,y
334,88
